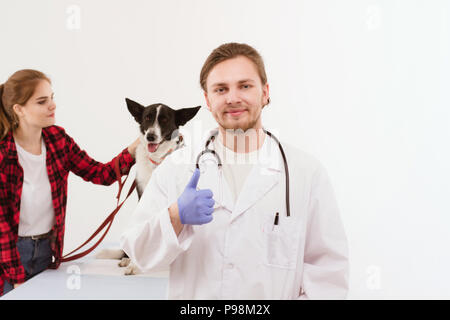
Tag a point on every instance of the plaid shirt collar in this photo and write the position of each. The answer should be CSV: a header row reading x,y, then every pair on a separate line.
x,y
8,146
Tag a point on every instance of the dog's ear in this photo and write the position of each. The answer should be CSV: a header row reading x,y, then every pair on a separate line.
x,y
135,109
182,116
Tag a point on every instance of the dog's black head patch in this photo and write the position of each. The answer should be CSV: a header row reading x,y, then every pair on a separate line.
x,y
158,121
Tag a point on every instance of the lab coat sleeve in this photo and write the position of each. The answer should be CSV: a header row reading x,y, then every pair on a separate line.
x,y
151,241
325,272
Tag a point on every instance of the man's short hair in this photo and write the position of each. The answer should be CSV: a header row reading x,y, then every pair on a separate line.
x,y
228,51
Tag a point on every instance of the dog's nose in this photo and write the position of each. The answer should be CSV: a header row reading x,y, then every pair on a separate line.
x,y
151,137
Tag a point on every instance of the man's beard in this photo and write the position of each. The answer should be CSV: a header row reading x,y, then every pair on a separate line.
x,y
231,125
244,126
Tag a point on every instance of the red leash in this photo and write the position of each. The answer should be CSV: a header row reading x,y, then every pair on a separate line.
x,y
108,221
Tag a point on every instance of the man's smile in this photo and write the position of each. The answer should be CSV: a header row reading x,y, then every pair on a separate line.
x,y
236,113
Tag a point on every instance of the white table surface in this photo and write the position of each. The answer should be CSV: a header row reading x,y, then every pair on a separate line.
x,y
89,278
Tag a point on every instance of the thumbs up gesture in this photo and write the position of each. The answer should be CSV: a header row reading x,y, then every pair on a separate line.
x,y
195,206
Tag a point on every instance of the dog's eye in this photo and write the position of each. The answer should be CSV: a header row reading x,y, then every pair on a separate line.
x,y
163,120
147,118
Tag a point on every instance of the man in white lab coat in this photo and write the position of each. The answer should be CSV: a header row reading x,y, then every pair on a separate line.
x,y
226,234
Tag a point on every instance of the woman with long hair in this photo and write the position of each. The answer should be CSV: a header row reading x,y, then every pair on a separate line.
x,y
35,160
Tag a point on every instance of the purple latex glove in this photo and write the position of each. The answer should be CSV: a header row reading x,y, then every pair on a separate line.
x,y
195,206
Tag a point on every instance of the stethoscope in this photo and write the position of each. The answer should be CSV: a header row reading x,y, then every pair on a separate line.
x,y
219,162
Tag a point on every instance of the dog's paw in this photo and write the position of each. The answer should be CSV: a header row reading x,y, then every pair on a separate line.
x,y
132,269
110,254
124,262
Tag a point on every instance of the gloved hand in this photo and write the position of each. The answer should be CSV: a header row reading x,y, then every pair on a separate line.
x,y
195,206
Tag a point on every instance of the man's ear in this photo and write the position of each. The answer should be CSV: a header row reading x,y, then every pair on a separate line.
x,y
135,109
182,116
266,97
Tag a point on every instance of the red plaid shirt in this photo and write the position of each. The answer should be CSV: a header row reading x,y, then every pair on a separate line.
x,y
63,156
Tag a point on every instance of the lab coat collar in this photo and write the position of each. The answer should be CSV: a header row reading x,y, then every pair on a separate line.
x,y
264,175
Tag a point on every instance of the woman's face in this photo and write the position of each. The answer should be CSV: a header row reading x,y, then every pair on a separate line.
x,y
39,111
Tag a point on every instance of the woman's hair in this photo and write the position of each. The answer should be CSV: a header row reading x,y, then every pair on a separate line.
x,y
228,51
18,89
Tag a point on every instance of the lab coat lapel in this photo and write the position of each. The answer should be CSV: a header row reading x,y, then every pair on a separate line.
x,y
264,176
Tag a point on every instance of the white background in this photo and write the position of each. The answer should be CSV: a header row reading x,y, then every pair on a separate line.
x,y
362,85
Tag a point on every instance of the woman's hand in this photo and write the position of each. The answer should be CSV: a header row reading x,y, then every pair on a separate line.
x,y
132,148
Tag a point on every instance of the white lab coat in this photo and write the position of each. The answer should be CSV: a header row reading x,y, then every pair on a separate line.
x,y
240,254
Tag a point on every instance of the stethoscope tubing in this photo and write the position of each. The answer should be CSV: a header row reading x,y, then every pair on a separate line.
x,y
219,162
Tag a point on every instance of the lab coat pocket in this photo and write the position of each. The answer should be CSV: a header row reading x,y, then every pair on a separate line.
x,y
280,245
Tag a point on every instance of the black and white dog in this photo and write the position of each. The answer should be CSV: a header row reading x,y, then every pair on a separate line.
x,y
158,125
159,136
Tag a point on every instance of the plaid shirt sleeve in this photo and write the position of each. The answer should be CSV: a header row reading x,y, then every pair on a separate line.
x,y
12,269
91,170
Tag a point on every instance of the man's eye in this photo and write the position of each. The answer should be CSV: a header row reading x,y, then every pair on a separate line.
x,y
220,90
246,86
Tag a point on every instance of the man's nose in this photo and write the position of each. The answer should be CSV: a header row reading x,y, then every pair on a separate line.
x,y
233,97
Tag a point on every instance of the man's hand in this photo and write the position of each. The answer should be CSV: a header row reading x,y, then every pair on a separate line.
x,y
195,206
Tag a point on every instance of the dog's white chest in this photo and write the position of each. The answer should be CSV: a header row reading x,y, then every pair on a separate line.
x,y
144,166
